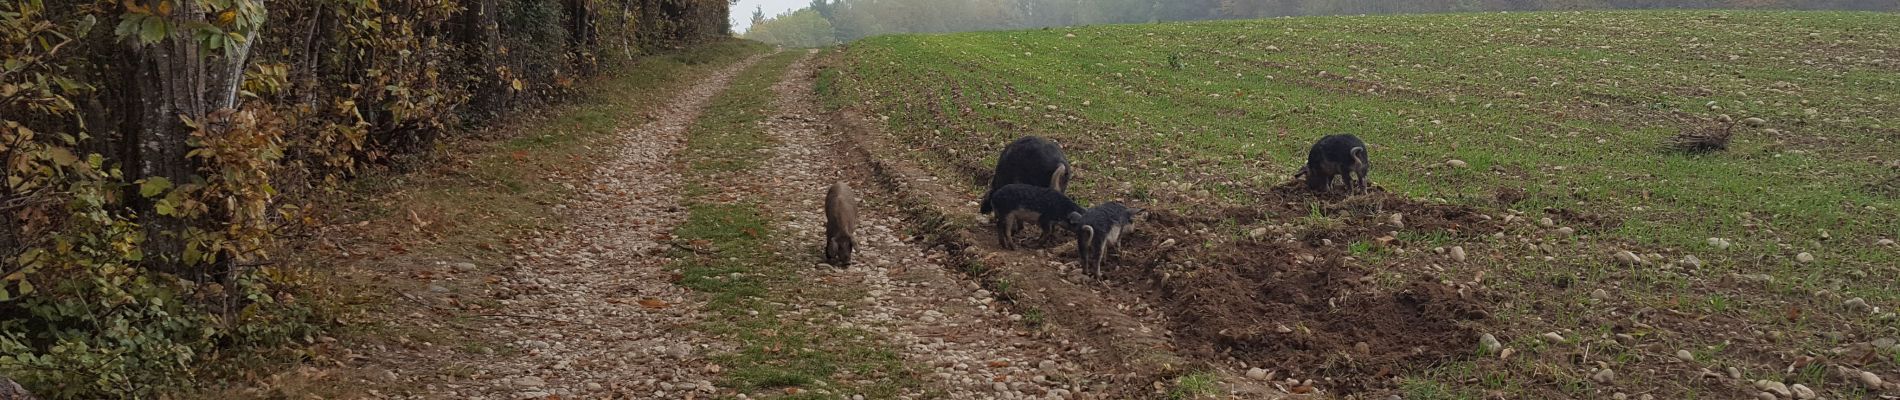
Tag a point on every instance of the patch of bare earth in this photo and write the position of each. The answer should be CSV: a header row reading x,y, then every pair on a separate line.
x,y
588,311
973,346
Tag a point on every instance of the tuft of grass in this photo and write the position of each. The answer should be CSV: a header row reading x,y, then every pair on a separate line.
x,y
1194,386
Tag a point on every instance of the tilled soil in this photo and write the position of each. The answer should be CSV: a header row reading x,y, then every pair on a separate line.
x,y
589,311
971,345
1296,301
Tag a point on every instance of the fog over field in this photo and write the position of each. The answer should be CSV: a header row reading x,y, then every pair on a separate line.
x,y
824,22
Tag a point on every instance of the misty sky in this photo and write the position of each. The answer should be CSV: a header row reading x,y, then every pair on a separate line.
x,y
742,12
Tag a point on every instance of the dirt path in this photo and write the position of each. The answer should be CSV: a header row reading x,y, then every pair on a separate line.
x,y
973,347
589,312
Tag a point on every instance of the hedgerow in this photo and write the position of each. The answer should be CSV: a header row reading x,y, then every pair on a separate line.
x,y
158,153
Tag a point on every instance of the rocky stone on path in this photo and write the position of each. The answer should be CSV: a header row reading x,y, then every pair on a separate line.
x,y
1685,356
530,382
463,266
1626,257
1258,374
1458,253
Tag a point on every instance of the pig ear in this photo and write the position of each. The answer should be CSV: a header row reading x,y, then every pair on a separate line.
x,y
1075,218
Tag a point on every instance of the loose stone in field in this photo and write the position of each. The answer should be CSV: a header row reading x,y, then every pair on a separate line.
x,y
1753,121
1489,344
1605,375
1553,337
1870,380
1778,388
1546,222
1685,356
1801,392
1397,219
1600,294
1885,242
1627,258
1691,262
1566,231
1857,304
1719,243
1456,163
1257,374
1804,257
1457,253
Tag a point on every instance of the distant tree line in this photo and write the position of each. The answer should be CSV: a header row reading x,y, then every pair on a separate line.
x,y
846,20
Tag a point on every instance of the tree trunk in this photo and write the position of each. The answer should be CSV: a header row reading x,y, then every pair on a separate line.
x,y
581,35
480,34
170,81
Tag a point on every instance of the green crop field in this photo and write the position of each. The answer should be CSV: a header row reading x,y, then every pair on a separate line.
x,y
1567,116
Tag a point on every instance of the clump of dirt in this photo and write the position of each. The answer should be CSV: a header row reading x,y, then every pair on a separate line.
x,y
1586,221
1508,196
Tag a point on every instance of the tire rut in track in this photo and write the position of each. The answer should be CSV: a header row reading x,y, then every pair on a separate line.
x,y
969,343
571,303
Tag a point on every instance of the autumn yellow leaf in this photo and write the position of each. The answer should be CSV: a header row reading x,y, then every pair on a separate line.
x,y
653,303
165,8
225,18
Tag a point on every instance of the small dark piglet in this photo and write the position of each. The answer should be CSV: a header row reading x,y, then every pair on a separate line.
x,y
1099,230
1030,160
1016,203
1340,155
841,223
